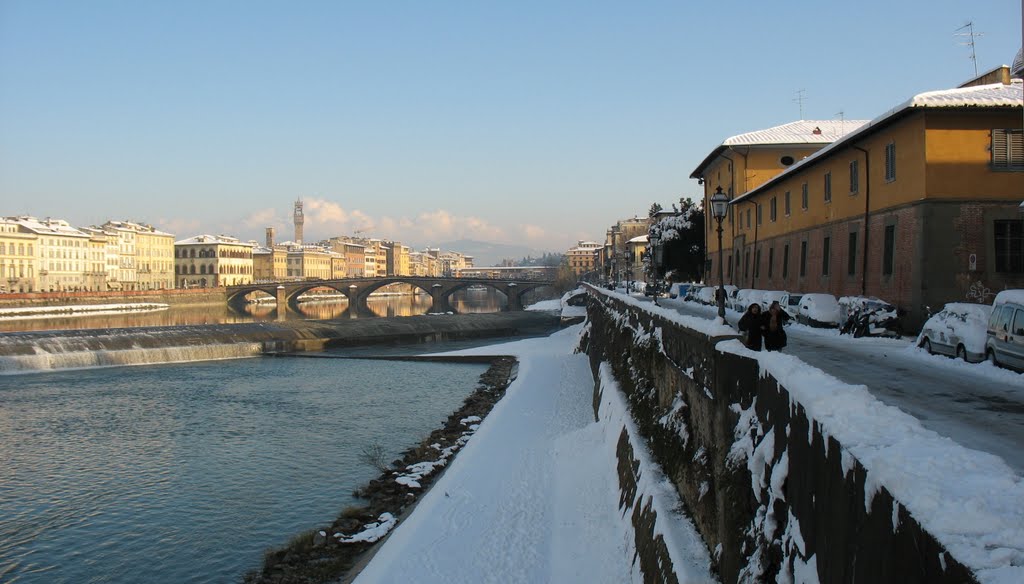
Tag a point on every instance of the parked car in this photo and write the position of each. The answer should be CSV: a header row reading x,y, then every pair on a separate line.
x,y
791,304
706,295
691,292
958,330
744,298
819,310
1004,338
769,296
652,289
678,290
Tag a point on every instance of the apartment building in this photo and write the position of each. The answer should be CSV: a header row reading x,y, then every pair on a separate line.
x,y
19,265
146,255
583,258
209,261
918,207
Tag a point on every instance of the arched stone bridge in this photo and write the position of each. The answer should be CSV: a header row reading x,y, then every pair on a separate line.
x,y
358,290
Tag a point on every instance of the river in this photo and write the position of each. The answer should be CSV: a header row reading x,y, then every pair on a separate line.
x,y
407,304
189,472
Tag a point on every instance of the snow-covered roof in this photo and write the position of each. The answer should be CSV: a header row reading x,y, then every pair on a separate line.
x,y
800,132
979,96
639,239
57,227
208,239
132,226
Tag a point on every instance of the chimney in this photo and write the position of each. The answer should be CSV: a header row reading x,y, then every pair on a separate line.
x,y
270,237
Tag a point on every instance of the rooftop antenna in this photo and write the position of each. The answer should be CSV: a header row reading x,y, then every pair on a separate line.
x,y
970,35
799,99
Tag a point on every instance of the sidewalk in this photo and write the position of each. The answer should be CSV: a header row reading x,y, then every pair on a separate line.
x,y
532,498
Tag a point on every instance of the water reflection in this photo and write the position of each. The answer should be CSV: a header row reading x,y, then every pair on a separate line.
x,y
404,303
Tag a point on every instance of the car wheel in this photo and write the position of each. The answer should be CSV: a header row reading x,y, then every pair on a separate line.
x,y
926,345
990,356
961,353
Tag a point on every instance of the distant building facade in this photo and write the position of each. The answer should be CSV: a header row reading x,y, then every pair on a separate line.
x,y
210,261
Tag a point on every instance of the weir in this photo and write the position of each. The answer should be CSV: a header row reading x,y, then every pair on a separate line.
x,y
56,350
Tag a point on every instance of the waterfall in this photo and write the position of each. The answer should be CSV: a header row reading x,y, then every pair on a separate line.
x,y
47,359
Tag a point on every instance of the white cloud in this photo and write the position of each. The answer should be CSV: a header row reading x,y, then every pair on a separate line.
x,y
532,232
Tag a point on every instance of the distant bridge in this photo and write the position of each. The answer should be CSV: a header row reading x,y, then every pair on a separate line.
x,y
358,290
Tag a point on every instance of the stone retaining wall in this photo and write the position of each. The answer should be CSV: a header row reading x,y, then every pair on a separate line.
x,y
772,495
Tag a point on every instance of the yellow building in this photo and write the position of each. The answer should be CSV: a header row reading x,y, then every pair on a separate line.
x,y
210,261
583,258
269,264
147,256
918,207
614,256
309,262
19,266
62,254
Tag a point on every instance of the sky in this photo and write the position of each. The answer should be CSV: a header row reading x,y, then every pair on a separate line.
x,y
529,123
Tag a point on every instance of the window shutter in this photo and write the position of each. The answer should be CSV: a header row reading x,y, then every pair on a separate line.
x,y
1000,149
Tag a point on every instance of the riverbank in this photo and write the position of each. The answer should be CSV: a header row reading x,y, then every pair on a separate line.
x,y
331,553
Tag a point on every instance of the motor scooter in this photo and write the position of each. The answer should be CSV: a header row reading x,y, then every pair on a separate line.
x,y
875,323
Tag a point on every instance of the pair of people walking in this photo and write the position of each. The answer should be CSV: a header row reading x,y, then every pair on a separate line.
x,y
766,327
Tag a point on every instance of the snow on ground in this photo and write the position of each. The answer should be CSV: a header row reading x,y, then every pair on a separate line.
x,y
79,310
971,501
532,498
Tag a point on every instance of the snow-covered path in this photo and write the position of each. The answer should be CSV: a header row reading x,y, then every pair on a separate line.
x,y
975,404
530,499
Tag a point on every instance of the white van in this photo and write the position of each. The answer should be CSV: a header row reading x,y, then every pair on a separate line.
x,y
1004,339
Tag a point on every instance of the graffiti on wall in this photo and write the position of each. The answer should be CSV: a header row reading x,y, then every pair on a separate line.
x,y
979,293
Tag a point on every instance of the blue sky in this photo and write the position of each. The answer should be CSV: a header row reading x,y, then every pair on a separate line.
x,y
536,123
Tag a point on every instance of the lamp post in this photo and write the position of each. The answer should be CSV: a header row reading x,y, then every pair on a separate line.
x,y
719,207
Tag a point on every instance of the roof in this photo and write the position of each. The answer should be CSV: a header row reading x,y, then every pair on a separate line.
x,y
215,239
639,239
800,132
980,96
55,227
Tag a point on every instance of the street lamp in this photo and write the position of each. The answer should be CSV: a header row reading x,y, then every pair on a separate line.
x,y
719,207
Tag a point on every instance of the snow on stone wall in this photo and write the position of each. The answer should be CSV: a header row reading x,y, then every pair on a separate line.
x,y
793,477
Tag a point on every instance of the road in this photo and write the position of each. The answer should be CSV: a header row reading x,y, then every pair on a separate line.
x,y
977,405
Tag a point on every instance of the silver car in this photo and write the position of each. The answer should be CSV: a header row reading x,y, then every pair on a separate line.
x,y
1004,343
958,330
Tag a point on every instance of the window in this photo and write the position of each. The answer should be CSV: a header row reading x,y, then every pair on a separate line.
x,y
760,214
771,260
757,264
773,211
1018,323
748,218
828,187
889,250
1007,149
851,257
890,162
803,196
787,204
803,259
1009,244
746,264
854,176
826,252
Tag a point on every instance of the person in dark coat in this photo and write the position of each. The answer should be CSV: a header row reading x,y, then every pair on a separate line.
x,y
774,333
752,322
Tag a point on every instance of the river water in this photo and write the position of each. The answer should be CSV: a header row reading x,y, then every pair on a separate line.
x,y
408,304
189,472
